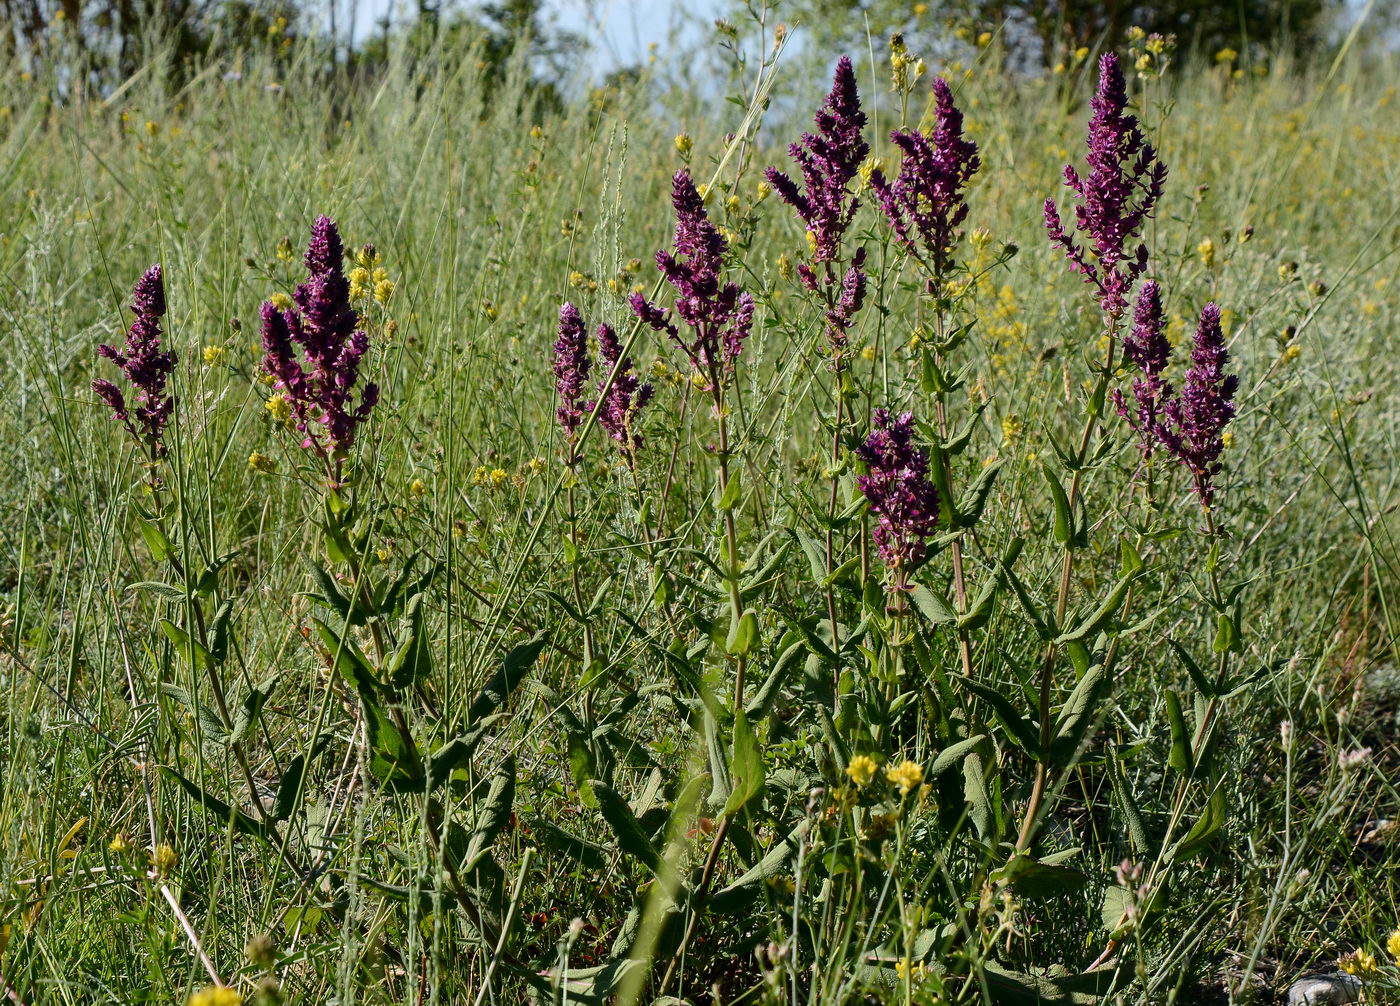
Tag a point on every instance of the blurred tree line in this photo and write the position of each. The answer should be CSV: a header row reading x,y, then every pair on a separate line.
x,y
105,41
1043,32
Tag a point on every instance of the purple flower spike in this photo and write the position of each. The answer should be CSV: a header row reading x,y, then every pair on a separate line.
x,y
323,326
571,365
625,399
925,203
146,366
898,489
718,315
1146,346
1114,200
828,160
1196,421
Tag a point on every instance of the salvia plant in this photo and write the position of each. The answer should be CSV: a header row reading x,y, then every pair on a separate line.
x,y
887,676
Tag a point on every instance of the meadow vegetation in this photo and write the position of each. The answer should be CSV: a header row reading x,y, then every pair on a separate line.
x,y
424,642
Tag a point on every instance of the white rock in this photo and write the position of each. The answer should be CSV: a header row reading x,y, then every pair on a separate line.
x,y
1325,990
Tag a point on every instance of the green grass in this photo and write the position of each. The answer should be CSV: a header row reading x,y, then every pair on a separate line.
x,y
485,229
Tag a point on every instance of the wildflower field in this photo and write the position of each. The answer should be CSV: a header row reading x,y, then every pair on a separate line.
x,y
916,532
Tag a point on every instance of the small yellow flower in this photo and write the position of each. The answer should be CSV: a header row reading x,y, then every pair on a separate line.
x,y
732,204
861,769
913,970
1227,439
684,144
264,463
577,279
1136,33
906,775
785,266
152,128
1226,55
1358,962
281,301
416,488
383,290
1081,54
984,39
215,995
164,859
812,241
279,408
536,465
1392,945
536,133
1144,62
498,477
367,257
285,252
480,476
1286,271
214,355
868,353
1206,250
1156,45
1292,353
705,193
1011,427
119,843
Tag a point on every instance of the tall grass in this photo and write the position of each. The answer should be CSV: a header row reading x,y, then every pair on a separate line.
x,y
486,223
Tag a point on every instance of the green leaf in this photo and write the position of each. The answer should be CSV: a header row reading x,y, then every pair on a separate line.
x,y
1021,731
729,498
743,635
185,644
350,662
493,815
588,854
953,754
156,541
980,610
250,707
974,501
1108,607
215,807
1198,676
631,837
1034,878
1205,828
933,607
516,665
166,590
745,766
742,892
1225,634
208,580
218,630
288,789
1180,757
393,754
1064,520
459,750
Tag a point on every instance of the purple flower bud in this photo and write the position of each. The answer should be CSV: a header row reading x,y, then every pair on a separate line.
x,y
1114,200
571,365
828,160
324,328
146,366
898,490
925,203
625,399
718,315
1147,347
1196,421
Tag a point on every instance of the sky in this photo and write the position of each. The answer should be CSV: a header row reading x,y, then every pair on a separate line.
x,y
619,30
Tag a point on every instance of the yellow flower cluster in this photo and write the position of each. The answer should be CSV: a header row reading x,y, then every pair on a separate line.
x,y
214,355
861,769
264,463
1358,962
906,775
215,995
279,408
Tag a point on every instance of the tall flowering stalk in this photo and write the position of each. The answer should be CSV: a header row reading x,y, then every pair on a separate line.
x,y
926,205
624,399
1196,420
718,317
1114,200
1147,348
897,486
321,327
829,162
147,367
